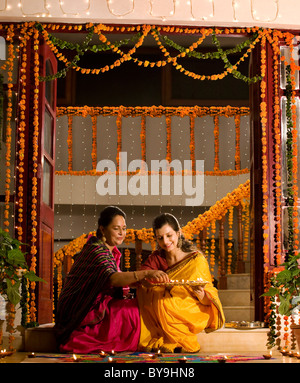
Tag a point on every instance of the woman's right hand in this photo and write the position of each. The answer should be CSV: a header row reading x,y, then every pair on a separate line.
x,y
157,276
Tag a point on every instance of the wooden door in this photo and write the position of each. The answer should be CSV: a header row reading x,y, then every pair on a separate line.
x,y
46,168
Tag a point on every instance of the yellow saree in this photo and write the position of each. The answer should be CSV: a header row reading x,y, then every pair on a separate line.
x,y
172,317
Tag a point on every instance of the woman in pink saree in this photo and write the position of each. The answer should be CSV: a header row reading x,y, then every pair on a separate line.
x,y
93,312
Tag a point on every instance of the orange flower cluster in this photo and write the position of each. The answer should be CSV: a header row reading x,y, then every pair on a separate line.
x,y
9,110
127,258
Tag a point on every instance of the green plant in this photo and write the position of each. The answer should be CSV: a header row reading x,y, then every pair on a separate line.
x,y
13,268
286,285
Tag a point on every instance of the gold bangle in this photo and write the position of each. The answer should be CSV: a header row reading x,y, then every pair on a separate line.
x,y
136,276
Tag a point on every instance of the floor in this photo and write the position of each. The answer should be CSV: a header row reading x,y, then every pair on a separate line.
x,y
24,357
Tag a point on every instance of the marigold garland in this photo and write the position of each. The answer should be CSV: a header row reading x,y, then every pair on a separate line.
x,y
212,248
143,31
230,239
263,119
34,193
246,226
8,143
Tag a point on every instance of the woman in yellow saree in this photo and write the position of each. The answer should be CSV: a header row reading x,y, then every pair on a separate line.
x,y
171,317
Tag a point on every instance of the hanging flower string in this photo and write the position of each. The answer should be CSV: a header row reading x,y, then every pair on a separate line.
x,y
263,119
33,249
277,151
9,110
230,239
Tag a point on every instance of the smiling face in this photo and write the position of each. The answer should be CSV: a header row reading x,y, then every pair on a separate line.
x,y
115,232
167,238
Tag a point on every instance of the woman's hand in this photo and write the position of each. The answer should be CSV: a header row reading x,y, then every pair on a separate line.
x,y
201,295
157,276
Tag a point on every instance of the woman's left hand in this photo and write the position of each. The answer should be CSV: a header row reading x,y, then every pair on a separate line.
x,y
199,291
201,295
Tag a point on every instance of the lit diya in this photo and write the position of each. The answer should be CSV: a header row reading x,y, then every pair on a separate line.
x,y
268,356
182,360
4,353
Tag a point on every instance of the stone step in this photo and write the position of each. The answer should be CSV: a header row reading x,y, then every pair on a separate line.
x,y
234,340
238,313
42,339
238,281
239,297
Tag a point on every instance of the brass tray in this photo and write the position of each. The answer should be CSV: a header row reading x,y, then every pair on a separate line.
x,y
245,325
199,282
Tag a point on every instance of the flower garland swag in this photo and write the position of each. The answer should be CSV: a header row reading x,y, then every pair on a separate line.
x,y
58,46
190,230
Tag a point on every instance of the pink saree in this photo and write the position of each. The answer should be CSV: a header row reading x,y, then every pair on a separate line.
x,y
109,322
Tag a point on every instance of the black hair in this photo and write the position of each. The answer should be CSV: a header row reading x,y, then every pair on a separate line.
x,y
106,216
169,219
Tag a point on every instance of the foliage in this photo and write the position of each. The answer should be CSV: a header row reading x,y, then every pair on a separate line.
x,y
13,268
286,285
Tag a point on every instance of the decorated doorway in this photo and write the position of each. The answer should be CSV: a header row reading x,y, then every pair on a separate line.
x,y
36,122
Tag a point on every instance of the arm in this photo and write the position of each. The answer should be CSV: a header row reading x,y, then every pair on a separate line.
x,y
126,278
